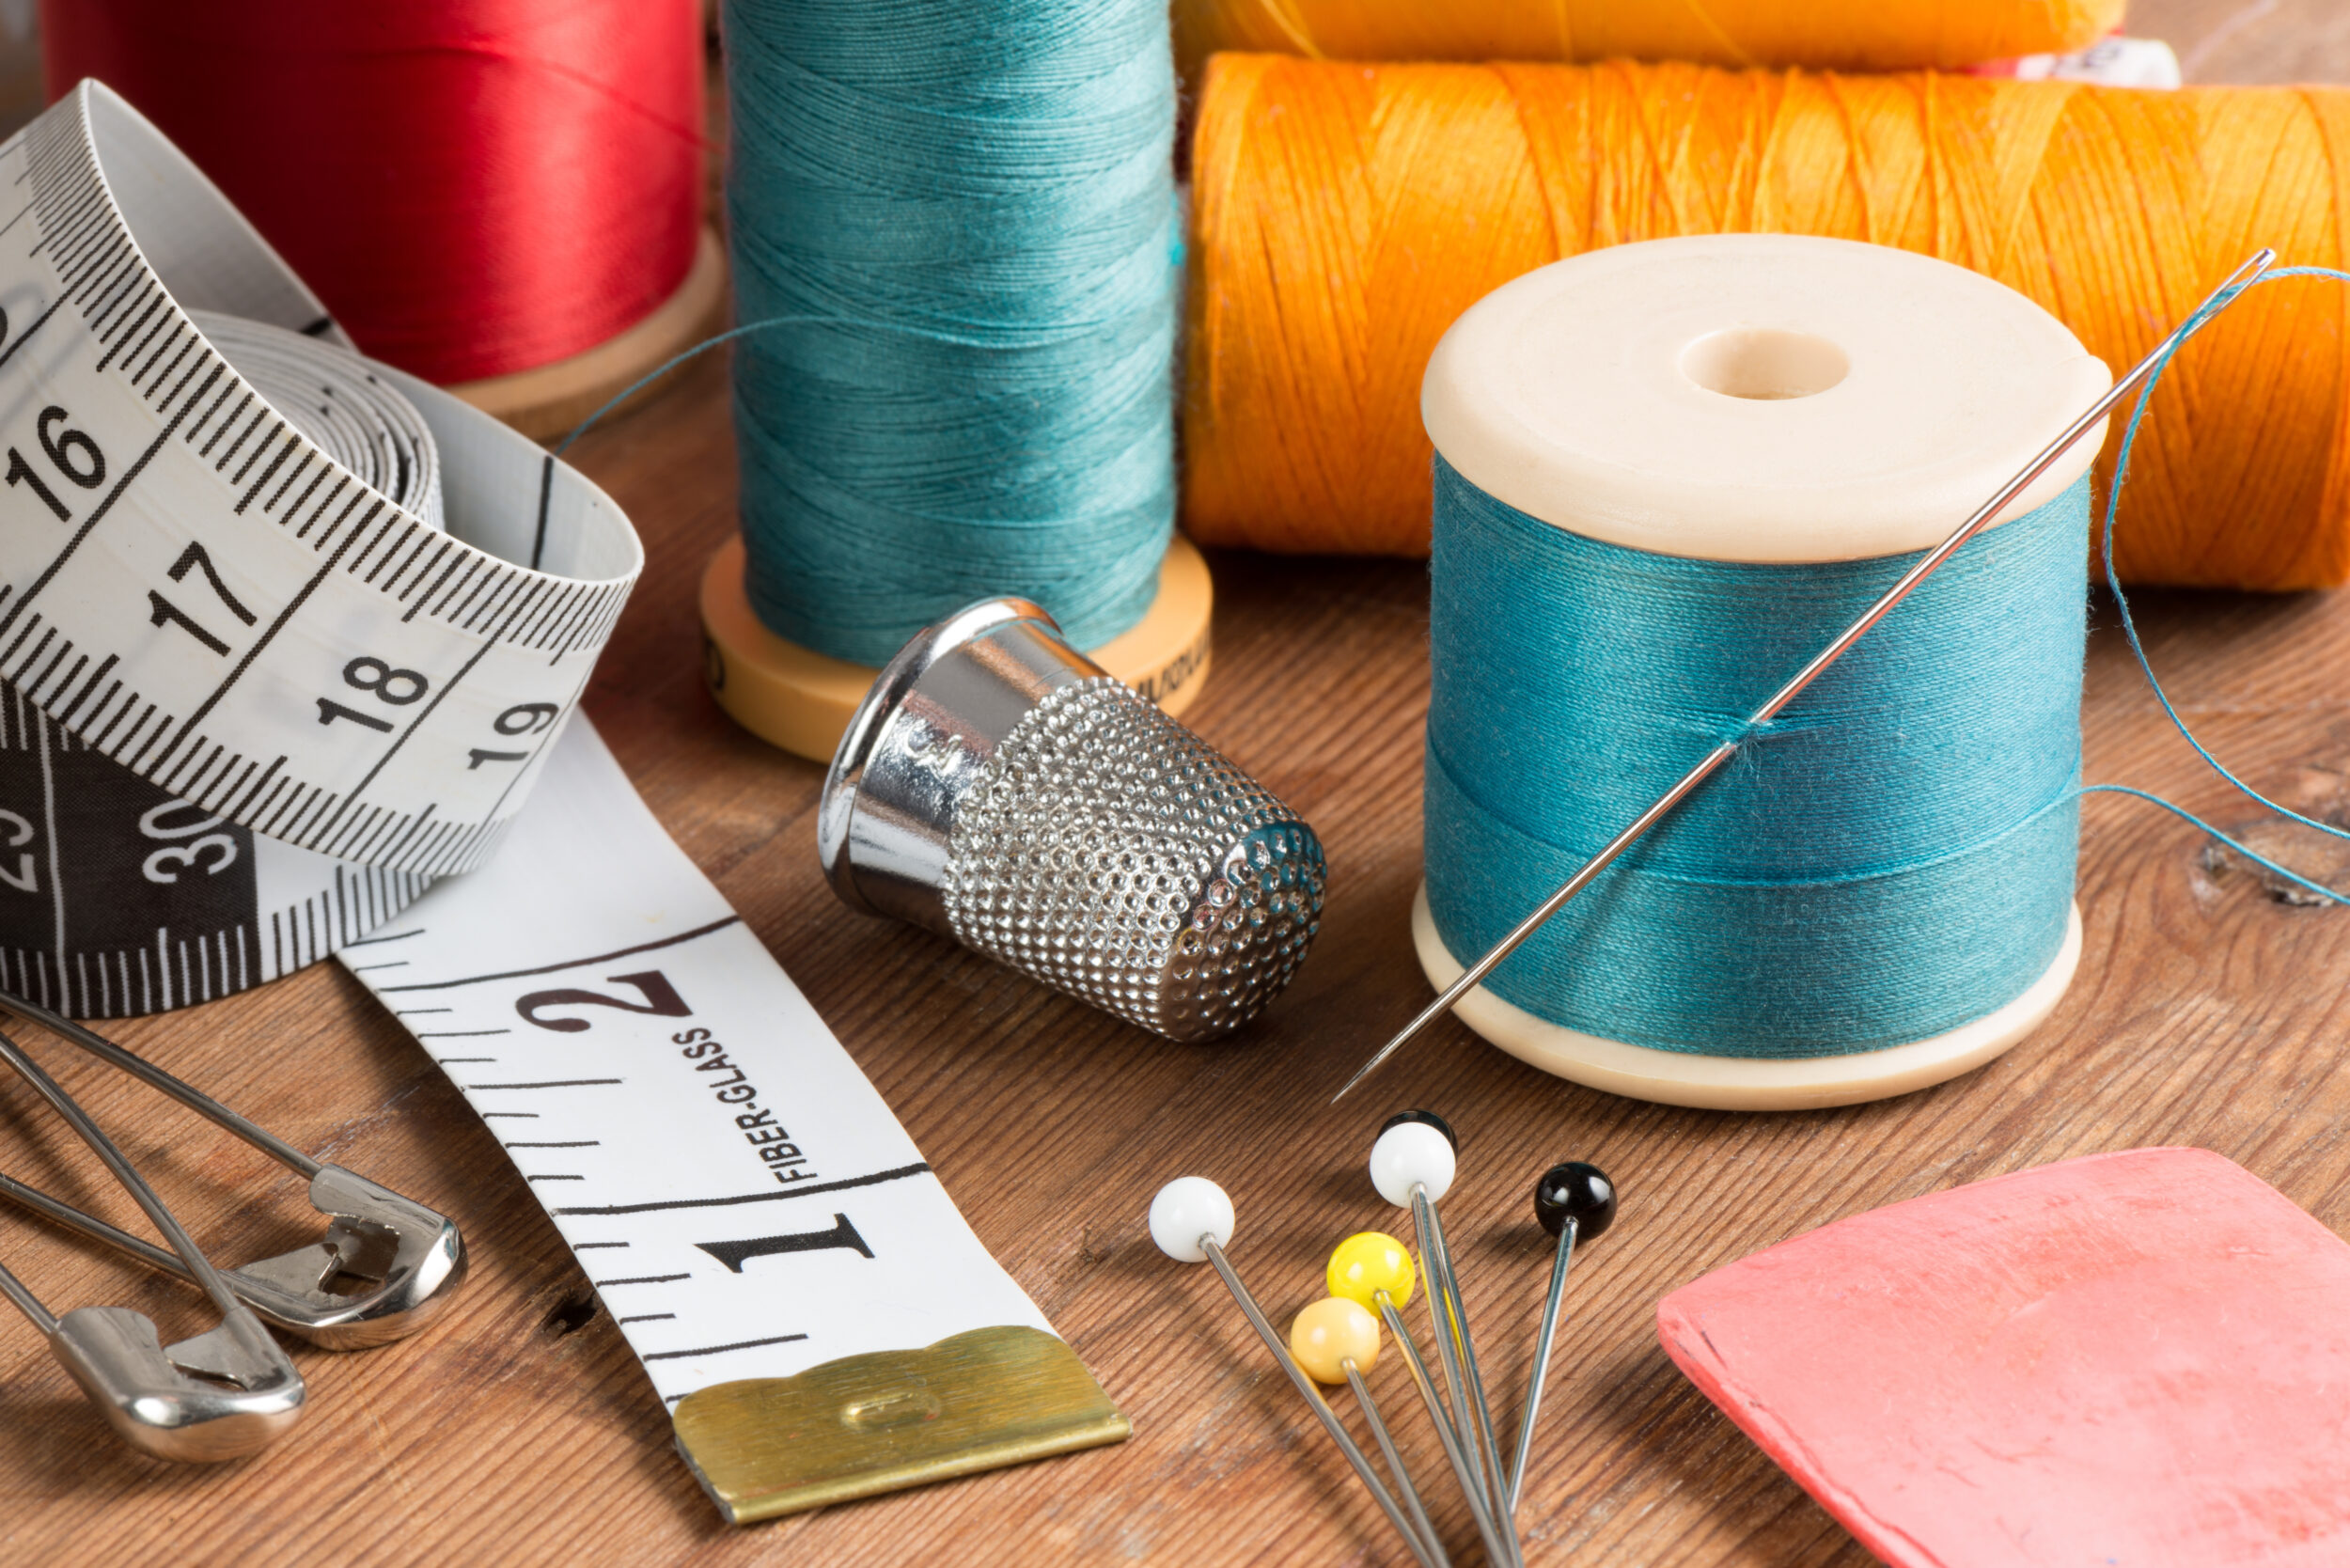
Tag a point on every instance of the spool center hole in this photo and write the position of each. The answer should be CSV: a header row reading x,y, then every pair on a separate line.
x,y
1766,363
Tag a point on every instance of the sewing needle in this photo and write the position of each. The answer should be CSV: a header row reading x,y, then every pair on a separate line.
x,y
2212,303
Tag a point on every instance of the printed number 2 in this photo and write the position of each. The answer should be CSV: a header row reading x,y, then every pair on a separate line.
x,y
661,1002
24,879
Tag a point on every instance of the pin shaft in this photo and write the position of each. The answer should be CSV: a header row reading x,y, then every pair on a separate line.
x,y
1448,1436
2216,299
1321,1410
1394,1457
1543,1340
198,1267
146,1071
1459,1353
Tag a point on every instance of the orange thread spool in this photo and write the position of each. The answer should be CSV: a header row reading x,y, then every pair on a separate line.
x,y
1345,215
1840,34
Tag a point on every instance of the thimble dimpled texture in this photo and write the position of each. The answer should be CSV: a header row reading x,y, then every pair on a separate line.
x,y
1112,854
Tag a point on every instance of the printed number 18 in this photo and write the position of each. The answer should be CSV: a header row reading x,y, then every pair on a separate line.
x,y
381,680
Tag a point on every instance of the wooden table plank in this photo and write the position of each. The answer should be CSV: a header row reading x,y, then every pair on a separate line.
x,y
521,1430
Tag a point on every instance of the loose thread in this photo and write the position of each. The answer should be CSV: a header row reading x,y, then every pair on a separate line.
x,y
625,393
2129,623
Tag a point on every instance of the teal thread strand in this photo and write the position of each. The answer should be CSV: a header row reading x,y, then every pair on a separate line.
x,y
1889,859
961,220
2129,624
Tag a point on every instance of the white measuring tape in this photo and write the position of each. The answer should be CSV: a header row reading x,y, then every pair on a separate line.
x,y
258,697
258,694
746,1206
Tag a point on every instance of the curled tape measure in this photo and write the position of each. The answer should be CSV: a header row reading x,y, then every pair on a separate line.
x,y
255,696
258,694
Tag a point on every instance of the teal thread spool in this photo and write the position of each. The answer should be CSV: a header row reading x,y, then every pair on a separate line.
x,y
961,221
1667,474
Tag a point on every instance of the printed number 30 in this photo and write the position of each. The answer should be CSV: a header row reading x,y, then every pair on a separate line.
x,y
165,863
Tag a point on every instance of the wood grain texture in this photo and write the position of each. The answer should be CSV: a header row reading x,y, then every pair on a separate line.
x,y
520,1429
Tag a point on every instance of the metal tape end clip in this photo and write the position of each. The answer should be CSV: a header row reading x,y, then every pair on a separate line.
x,y
883,1421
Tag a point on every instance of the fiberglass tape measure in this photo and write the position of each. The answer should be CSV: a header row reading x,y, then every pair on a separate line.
x,y
255,701
797,1283
286,635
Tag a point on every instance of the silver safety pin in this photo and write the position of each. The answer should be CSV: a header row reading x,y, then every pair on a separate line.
x,y
411,1257
220,1395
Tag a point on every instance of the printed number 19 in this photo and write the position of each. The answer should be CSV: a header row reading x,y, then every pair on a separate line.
x,y
523,718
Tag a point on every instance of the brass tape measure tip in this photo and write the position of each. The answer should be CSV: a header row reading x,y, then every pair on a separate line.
x,y
885,1420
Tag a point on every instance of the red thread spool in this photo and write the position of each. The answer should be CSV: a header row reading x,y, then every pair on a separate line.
x,y
475,187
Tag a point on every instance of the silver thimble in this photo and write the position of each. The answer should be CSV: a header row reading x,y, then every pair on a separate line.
x,y
998,786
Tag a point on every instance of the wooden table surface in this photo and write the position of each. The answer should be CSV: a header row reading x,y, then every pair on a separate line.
x,y
521,1430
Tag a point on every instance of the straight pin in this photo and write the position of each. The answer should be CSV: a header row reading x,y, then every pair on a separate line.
x,y
1572,1201
1191,1221
1375,1269
1411,1164
1336,1339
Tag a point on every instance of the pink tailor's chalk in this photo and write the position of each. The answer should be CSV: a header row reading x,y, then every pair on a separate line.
x,y
2139,1359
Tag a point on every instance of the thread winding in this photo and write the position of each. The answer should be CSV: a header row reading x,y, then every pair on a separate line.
x,y
1837,35
1888,860
1891,859
961,220
1346,214
474,187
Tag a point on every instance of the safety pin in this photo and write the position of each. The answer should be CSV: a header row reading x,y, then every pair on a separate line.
x,y
220,1395
412,1257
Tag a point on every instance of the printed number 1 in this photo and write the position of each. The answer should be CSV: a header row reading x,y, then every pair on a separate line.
x,y
734,1254
20,469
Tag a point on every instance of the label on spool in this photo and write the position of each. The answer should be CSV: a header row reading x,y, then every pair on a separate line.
x,y
258,694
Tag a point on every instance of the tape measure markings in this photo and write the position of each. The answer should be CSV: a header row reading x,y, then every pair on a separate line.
x,y
359,789
681,938
232,539
896,1173
658,1076
131,844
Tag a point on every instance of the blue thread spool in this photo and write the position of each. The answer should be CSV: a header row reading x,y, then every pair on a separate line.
x,y
960,223
1667,474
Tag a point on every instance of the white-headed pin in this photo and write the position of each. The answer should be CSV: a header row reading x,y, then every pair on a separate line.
x,y
1191,1221
1411,1164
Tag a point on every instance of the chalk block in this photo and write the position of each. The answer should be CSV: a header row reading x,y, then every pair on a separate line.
x,y
2132,1359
